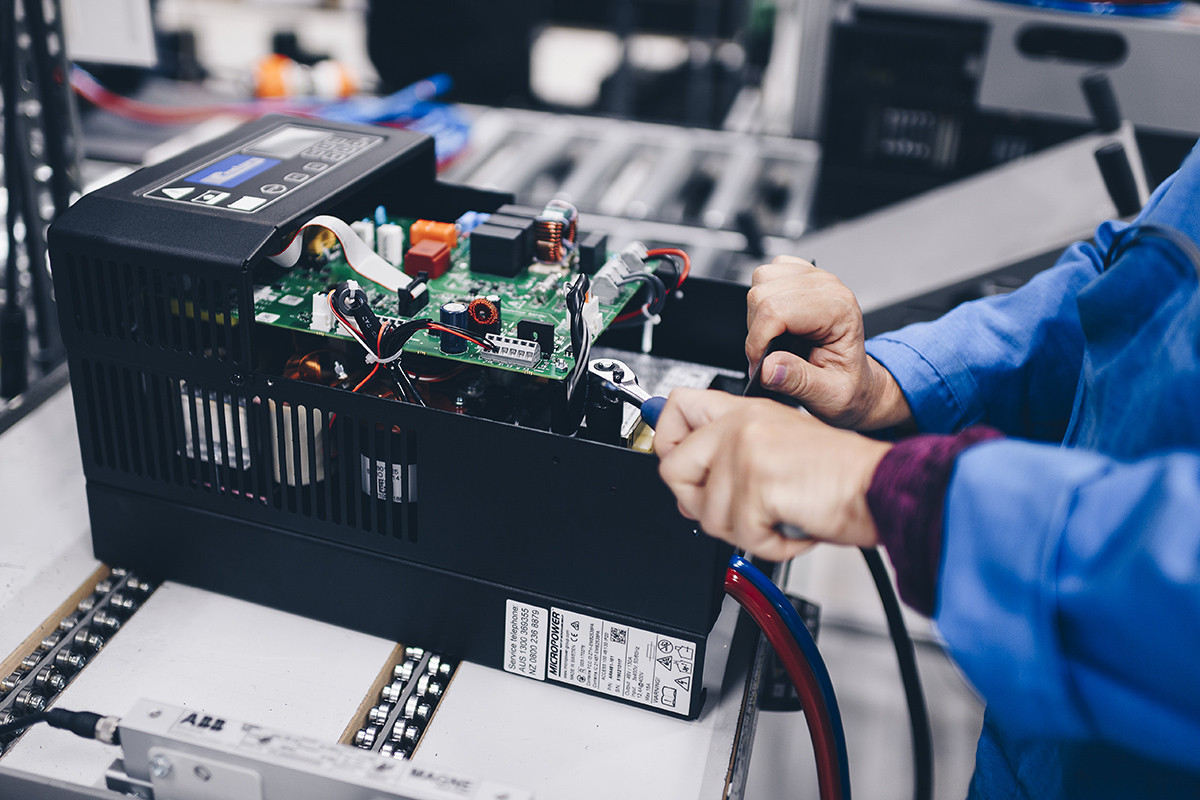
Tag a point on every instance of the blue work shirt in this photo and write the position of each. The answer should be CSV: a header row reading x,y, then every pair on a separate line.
x,y
1069,589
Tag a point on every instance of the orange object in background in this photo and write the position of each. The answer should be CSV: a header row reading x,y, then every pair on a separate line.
x,y
278,76
427,229
430,256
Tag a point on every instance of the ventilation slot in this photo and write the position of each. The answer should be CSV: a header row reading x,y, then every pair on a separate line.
x,y
350,478
159,308
215,429
374,487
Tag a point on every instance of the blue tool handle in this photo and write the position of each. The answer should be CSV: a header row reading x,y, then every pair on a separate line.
x,y
652,410
790,531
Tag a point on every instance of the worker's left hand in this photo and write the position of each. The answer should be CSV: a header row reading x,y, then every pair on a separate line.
x,y
742,466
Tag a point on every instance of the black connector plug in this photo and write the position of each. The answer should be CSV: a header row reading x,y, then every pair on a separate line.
x,y
85,724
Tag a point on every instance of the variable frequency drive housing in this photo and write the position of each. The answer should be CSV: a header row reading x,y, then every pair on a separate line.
x,y
208,462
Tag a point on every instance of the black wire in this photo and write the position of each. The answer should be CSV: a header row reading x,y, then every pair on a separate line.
x,y
658,292
676,268
18,725
914,695
581,348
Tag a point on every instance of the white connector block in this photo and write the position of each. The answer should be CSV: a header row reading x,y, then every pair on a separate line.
x,y
322,315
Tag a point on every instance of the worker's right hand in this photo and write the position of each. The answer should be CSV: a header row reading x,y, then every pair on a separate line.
x,y
838,383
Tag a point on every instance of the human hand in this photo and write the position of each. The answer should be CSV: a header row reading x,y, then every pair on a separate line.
x,y
838,382
742,466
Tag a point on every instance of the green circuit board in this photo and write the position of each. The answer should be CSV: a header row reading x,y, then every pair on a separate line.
x,y
534,294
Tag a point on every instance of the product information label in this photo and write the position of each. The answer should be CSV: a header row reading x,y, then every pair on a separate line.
x,y
525,640
380,483
621,661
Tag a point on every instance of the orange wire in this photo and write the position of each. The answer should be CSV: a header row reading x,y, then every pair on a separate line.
x,y
363,382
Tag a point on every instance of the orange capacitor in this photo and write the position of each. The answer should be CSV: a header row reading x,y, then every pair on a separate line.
x,y
443,232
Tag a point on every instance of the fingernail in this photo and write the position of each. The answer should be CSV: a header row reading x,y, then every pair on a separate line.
x,y
777,376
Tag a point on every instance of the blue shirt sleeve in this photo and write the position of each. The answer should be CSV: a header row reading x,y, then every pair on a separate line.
x,y
1075,608
1012,361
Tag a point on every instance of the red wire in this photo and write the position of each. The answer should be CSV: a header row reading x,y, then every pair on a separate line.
x,y
632,314
110,101
364,381
437,326
674,251
816,714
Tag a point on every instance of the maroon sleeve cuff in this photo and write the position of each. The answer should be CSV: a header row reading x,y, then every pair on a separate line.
x,y
906,498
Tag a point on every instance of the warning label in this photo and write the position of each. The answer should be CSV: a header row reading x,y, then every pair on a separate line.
x,y
621,661
525,640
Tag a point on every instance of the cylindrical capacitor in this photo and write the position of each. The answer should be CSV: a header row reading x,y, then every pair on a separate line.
x,y
453,313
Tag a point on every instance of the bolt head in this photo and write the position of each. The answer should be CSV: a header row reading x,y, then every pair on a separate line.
x,y
160,767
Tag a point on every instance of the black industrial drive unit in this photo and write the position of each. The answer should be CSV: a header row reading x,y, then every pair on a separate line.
x,y
205,465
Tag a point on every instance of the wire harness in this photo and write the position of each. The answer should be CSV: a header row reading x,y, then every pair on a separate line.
x,y
798,652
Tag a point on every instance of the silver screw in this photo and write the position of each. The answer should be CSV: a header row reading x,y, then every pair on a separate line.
x,y
202,772
160,767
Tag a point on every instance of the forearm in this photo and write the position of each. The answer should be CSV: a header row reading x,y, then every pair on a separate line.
x,y
1010,361
1069,593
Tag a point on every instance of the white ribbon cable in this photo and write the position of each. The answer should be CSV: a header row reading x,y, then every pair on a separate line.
x,y
359,255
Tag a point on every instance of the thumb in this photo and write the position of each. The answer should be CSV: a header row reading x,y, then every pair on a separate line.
x,y
788,373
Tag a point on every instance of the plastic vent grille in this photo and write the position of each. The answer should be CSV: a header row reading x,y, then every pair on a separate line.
x,y
259,454
159,308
